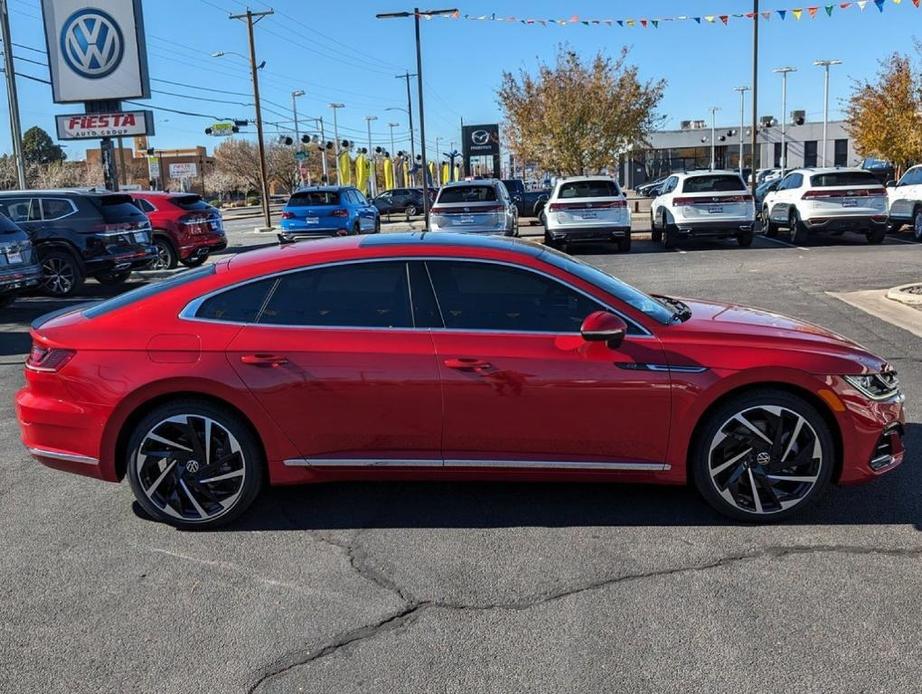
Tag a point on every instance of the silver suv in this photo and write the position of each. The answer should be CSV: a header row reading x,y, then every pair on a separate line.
x,y
480,207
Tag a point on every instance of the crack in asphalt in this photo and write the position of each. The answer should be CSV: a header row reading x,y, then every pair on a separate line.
x,y
414,608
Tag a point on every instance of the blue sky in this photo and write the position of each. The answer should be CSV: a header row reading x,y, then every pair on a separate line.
x,y
338,51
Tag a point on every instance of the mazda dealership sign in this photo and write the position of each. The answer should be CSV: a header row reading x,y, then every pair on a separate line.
x,y
96,50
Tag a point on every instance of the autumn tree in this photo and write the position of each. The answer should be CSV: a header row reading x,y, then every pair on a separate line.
x,y
884,116
576,117
239,159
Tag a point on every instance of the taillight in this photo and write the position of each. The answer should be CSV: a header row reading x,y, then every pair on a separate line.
x,y
711,200
119,229
679,202
339,212
612,204
858,193
48,359
288,215
437,210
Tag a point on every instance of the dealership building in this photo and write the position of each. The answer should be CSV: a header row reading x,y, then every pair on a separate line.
x,y
689,148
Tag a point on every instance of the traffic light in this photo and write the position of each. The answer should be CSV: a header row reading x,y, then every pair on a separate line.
x,y
285,140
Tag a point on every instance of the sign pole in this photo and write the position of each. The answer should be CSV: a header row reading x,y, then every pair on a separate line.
x,y
12,95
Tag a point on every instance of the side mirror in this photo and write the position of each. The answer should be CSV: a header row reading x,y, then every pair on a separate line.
x,y
602,326
891,184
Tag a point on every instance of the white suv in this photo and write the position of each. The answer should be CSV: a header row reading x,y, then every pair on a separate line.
x,y
833,200
906,202
703,204
587,208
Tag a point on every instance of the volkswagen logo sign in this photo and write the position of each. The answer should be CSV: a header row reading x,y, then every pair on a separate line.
x,y
92,43
480,137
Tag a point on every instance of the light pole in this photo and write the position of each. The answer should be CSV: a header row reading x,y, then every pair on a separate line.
x,y
408,110
392,126
825,65
371,153
294,110
419,84
783,71
253,18
714,111
742,90
335,108
12,95
438,167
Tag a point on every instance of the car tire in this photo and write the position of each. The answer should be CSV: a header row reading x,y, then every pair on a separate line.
x,y
356,229
167,258
739,453
771,229
7,299
179,488
61,273
917,224
112,279
798,229
624,245
542,218
195,261
744,239
655,234
377,225
411,211
894,227
876,236
670,237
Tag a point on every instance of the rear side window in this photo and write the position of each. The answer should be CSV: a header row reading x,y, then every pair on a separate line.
x,y
484,296
589,189
147,291
190,203
468,194
843,178
55,208
241,304
361,295
713,184
314,197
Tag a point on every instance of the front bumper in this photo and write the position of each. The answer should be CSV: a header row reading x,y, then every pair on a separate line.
x,y
602,233
714,229
16,278
818,222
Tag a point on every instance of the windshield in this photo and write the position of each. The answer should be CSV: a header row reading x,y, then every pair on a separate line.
x,y
843,178
467,194
713,184
634,298
310,198
589,189
191,203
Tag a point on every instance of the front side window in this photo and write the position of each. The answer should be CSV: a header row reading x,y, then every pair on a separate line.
x,y
486,296
360,295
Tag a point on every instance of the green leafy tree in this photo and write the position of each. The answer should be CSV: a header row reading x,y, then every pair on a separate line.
x,y
39,148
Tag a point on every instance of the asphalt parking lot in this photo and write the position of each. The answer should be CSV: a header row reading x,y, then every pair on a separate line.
x,y
484,587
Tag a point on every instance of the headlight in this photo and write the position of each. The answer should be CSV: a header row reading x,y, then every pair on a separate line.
x,y
880,386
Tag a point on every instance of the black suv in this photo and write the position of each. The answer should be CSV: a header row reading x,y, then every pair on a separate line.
x,y
19,268
81,233
402,200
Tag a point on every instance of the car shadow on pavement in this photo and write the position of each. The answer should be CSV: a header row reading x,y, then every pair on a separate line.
x,y
892,499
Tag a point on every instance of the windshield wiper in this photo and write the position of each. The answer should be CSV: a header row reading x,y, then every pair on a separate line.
x,y
682,312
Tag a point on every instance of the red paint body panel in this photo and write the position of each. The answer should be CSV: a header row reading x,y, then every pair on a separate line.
x,y
436,394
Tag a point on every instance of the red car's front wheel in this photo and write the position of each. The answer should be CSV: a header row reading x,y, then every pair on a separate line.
x,y
763,456
193,465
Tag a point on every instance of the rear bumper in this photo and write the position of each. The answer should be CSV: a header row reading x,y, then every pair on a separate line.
x,y
471,229
290,236
601,233
714,229
194,245
123,259
820,222
14,279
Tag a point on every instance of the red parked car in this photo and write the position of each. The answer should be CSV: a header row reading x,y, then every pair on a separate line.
x,y
446,356
186,229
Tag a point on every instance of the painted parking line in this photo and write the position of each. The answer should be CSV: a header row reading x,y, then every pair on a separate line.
x,y
783,243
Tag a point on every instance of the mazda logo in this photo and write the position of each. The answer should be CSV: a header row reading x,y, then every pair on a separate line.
x,y
92,43
480,137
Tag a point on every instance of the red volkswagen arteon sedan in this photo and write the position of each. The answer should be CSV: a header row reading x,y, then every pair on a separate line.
x,y
443,356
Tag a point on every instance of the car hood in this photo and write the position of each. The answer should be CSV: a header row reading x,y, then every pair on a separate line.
x,y
758,331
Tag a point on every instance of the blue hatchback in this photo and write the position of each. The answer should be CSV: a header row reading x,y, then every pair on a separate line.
x,y
323,211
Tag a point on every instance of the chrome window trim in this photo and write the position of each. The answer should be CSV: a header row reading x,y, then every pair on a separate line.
x,y
63,456
73,208
190,309
477,463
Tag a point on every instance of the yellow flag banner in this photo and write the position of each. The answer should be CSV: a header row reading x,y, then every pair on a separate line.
x,y
432,174
361,172
345,168
388,173
446,174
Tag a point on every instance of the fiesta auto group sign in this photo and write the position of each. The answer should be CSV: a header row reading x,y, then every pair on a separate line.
x,y
88,126
96,50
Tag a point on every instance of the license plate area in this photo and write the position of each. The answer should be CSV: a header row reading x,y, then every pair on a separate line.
x,y
849,202
13,257
465,219
312,220
715,209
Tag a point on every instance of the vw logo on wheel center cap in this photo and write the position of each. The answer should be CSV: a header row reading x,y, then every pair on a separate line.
x,y
92,43
192,467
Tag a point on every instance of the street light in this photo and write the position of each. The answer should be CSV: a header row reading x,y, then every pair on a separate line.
x,y
416,13
825,65
714,111
392,126
294,110
783,71
371,153
336,107
742,90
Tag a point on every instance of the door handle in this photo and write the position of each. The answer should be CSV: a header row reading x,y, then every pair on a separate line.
x,y
271,360
468,364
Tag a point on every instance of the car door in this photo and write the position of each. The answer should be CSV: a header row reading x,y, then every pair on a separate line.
x,y
334,357
783,198
384,202
522,388
907,191
365,210
664,199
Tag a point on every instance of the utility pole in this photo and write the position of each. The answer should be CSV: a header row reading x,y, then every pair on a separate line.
x,y
323,152
825,64
438,165
392,126
336,107
294,110
742,91
406,76
12,95
783,71
714,111
371,153
253,18
754,133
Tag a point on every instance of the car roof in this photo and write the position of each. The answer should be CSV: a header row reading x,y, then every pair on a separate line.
x,y
590,177
708,172
157,193
475,182
321,189
62,191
